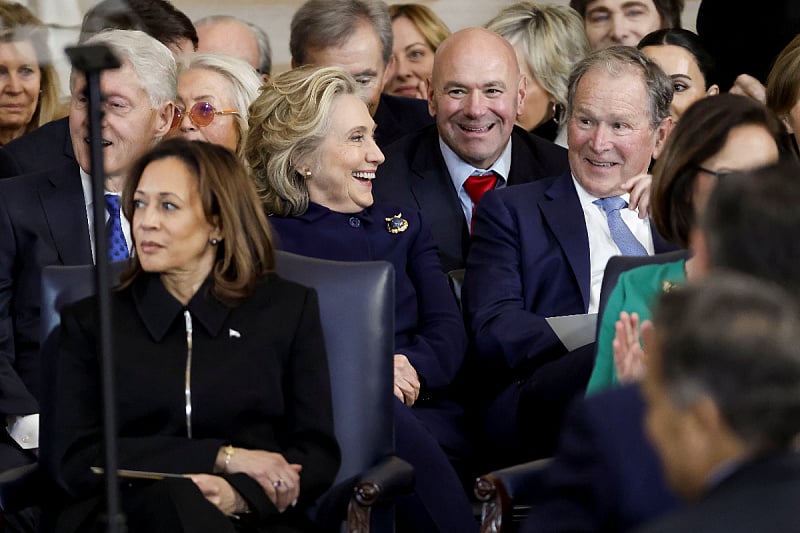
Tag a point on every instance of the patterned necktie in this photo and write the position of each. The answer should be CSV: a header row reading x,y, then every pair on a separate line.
x,y
117,247
620,232
476,186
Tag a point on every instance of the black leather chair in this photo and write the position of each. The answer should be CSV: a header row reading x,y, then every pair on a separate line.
x,y
506,494
357,307
357,312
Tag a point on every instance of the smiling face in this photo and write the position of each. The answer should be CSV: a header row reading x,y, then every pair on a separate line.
x,y
170,228
130,125
360,56
612,22
688,82
610,135
201,85
476,94
343,167
20,80
413,59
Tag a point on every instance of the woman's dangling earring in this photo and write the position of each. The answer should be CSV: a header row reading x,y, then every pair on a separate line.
x,y
557,110
308,173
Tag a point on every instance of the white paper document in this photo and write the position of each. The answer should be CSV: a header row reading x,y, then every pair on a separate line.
x,y
574,331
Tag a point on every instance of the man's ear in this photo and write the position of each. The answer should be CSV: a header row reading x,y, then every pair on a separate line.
x,y
662,132
522,91
713,90
388,71
164,119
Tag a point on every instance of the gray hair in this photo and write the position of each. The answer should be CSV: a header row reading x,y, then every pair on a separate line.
x,y
241,77
152,62
262,40
735,340
327,23
552,37
616,60
288,122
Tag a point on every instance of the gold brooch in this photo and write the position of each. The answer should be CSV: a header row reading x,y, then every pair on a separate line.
x,y
667,286
396,224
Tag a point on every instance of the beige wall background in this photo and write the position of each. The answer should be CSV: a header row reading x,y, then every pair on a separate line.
x,y
272,15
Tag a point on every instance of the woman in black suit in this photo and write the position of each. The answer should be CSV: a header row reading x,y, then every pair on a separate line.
x,y
220,364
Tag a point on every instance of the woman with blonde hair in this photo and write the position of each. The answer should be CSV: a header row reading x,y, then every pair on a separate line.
x,y
29,95
418,32
313,155
549,40
214,94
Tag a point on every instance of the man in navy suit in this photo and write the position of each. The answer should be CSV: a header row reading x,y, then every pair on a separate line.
x,y
45,216
539,250
356,35
475,94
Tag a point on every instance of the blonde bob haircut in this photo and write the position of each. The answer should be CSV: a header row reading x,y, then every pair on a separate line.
x,y
245,252
432,28
553,39
288,122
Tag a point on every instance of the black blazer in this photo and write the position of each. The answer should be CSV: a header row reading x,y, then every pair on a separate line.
x,y
761,495
397,116
259,380
44,148
414,174
42,222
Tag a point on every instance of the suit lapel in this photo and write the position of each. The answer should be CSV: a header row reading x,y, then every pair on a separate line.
x,y
434,193
64,209
562,212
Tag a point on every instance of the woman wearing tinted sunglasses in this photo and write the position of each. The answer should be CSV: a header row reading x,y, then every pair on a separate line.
x,y
214,92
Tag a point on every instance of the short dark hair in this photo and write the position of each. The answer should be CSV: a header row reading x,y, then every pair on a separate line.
x,y
687,40
736,340
701,133
668,10
752,222
245,253
157,18
326,23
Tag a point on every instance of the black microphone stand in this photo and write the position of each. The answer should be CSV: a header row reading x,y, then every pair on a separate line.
x,y
92,60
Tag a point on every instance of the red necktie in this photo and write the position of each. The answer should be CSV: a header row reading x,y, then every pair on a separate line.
x,y
476,186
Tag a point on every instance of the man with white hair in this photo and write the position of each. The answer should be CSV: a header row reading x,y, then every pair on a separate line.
x,y
46,217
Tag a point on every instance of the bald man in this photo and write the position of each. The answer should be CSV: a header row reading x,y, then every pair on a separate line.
x,y
224,34
475,95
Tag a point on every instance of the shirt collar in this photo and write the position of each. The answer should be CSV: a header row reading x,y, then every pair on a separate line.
x,y
460,170
159,309
587,199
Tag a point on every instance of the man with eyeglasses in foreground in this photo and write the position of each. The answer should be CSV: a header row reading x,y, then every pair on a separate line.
x,y
46,217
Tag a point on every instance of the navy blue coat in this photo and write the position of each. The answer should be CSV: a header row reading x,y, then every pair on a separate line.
x,y
605,476
415,175
428,327
529,260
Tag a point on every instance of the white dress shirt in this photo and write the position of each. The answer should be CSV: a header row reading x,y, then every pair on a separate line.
x,y
601,246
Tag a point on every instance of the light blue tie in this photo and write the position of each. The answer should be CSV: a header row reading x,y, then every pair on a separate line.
x,y
117,247
620,232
